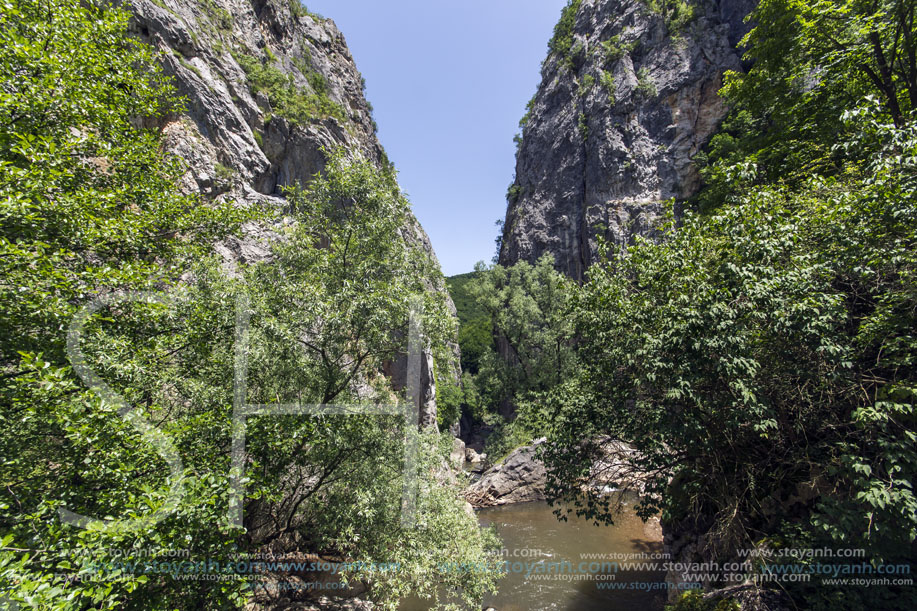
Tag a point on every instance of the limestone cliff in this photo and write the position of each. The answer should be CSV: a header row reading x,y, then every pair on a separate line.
x,y
269,88
628,96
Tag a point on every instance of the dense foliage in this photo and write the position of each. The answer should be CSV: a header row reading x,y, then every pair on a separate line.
x,y
562,41
761,357
812,61
519,339
475,333
91,210
298,104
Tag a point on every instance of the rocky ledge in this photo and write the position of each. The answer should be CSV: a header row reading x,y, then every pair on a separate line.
x,y
521,477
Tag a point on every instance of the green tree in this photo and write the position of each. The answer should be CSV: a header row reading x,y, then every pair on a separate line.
x,y
526,305
810,62
90,208
762,360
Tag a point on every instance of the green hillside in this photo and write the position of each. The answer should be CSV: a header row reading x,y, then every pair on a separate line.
x,y
466,306
474,324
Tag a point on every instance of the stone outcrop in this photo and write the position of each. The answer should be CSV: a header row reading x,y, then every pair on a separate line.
x,y
519,478
236,143
473,457
325,603
457,456
614,126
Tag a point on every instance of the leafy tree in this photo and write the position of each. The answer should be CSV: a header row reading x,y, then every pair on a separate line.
x,y
90,208
526,305
763,362
475,335
810,62
525,344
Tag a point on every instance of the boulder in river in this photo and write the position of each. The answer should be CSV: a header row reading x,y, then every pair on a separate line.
x,y
519,478
473,457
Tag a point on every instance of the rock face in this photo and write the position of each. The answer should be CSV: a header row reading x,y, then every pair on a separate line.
x,y
520,478
457,456
240,142
614,125
237,145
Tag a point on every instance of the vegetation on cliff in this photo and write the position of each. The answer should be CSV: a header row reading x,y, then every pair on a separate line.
x,y
761,354
92,213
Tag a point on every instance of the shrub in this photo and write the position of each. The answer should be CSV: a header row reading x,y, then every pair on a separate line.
x,y
615,49
676,13
286,99
300,10
582,125
586,85
218,16
608,82
694,601
561,42
645,85
528,112
224,173
513,193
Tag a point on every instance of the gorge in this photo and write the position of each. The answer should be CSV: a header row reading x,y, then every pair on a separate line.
x,y
234,375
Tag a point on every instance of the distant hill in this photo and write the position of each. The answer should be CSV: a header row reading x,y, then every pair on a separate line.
x,y
468,309
474,323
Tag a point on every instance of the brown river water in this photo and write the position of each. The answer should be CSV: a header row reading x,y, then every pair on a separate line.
x,y
535,542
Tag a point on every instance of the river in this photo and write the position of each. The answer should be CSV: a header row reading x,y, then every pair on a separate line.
x,y
534,541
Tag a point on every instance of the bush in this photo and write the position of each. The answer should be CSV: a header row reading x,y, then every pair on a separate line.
x,y
293,103
582,126
608,82
615,49
645,85
586,85
513,192
694,601
298,9
561,43
676,13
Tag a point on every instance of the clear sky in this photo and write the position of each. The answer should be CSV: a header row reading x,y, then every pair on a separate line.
x,y
449,82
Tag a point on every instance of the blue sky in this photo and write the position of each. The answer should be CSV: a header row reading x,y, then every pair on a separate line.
x,y
449,82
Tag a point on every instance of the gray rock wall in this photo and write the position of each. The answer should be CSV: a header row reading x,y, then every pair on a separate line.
x,y
235,145
612,130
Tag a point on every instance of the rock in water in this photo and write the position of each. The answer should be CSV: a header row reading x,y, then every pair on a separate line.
x,y
519,478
